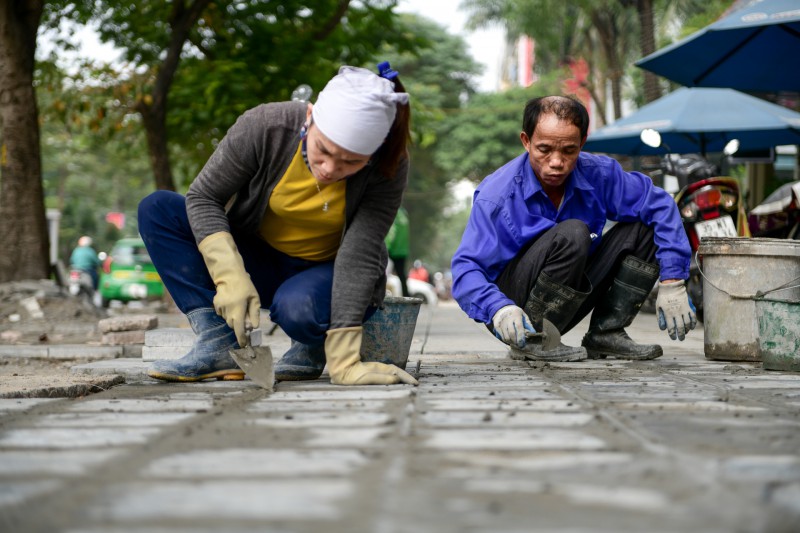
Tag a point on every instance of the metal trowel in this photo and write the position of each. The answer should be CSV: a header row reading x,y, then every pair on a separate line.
x,y
549,337
256,360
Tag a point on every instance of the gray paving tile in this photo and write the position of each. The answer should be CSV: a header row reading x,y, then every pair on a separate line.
x,y
322,419
17,492
510,439
123,419
256,500
13,405
55,462
440,418
256,463
143,405
61,438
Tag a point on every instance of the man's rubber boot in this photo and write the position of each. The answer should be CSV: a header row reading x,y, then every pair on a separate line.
x,y
301,362
558,304
606,336
208,358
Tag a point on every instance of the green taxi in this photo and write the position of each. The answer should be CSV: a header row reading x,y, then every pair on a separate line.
x,y
128,274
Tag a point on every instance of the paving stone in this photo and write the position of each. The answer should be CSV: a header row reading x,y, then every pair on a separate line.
x,y
257,463
531,461
441,418
503,405
172,337
14,493
143,405
510,439
347,393
83,351
633,498
60,438
60,351
498,393
111,419
56,462
11,405
128,323
327,419
155,353
346,437
194,529
762,467
294,406
285,499
117,338
681,405
133,369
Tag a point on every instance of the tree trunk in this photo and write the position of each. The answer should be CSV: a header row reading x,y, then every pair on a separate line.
x,y
23,225
647,42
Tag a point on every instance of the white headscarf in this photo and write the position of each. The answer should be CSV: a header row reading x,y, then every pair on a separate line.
x,y
356,109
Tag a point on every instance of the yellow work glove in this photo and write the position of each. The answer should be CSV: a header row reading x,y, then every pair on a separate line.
x,y
237,299
343,355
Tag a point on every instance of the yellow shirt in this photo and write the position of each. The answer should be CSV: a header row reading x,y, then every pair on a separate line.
x,y
297,222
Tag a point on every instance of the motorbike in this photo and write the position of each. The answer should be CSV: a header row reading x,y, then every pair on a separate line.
x,y
778,216
79,283
710,206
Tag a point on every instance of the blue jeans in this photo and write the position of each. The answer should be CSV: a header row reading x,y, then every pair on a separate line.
x,y
296,291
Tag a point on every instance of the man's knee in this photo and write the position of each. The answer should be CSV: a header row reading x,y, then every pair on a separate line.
x,y
573,235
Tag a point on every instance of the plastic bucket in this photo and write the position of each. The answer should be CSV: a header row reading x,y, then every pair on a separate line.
x,y
388,333
779,334
737,271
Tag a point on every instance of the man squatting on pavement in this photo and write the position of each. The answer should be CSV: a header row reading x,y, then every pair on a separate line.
x,y
534,246
290,212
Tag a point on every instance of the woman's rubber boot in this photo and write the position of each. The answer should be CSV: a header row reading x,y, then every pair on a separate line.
x,y
208,358
558,304
301,362
606,336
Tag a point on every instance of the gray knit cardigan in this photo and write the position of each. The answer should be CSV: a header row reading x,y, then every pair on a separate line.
x,y
232,192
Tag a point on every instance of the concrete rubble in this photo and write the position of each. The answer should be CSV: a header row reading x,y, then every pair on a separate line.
x,y
484,444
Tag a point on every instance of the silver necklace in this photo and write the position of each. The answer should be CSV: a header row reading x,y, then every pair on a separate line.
x,y
325,200
305,159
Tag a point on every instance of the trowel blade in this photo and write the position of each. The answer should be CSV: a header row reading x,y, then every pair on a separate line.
x,y
550,336
256,361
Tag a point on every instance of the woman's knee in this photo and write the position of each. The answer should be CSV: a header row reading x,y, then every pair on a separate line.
x,y
154,205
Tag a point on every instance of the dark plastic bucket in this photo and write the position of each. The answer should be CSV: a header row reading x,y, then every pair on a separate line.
x,y
388,333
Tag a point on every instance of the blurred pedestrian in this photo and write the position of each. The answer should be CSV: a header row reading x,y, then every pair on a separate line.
x,y
290,212
419,272
85,258
534,247
397,246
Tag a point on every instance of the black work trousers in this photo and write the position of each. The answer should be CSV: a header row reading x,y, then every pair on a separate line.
x,y
563,252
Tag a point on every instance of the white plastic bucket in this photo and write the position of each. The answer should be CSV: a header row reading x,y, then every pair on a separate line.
x,y
736,271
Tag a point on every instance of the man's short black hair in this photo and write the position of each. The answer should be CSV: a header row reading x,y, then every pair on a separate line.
x,y
564,107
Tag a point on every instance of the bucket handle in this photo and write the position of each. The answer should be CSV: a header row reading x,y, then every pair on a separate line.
x,y
758,294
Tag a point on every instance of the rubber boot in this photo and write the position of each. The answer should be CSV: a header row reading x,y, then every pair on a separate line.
x,y
301,362
558,304
606,336
208,358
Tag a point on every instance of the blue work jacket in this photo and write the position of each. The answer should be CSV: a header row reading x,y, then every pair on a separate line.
x,y
510,209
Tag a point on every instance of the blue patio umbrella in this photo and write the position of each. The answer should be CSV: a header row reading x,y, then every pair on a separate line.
x,y
692,120
753,49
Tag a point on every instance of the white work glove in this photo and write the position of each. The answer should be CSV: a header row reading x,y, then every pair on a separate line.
x,y
510,323
237,298
343,356
675,310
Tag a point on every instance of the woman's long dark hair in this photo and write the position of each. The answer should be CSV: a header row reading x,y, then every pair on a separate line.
x,y
395,147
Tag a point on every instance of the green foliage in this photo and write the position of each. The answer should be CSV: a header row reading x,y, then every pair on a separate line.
x,y
437,72
485,134
94,159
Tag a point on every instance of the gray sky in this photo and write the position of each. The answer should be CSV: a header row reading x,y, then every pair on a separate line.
x,y
486,46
